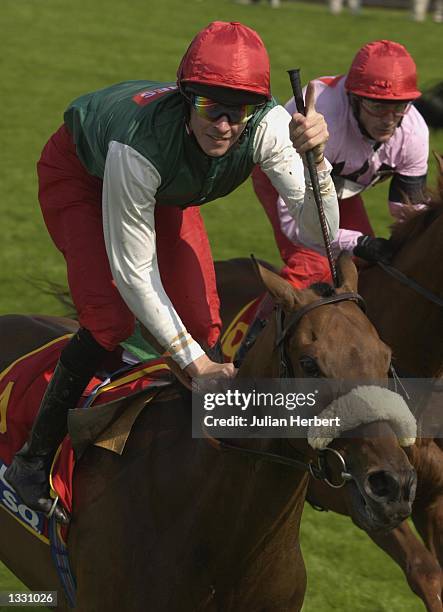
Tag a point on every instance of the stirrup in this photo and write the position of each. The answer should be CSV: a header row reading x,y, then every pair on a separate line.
x,y
62,516
53,507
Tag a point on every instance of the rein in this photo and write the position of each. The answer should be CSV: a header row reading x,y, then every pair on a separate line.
x,y
316,470
412,284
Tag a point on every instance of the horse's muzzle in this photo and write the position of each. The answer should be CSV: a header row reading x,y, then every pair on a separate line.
x,y
384,499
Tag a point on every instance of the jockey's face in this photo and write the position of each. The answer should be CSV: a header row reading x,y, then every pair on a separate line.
x,y
217,136
380,119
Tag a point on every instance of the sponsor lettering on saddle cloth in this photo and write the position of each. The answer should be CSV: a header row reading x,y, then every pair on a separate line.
x,y
22,386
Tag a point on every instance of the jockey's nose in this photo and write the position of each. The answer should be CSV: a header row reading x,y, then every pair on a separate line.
x,y
390,118
222,123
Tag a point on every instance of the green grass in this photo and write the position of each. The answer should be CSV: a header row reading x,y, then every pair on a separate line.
x,y
53,50
8,582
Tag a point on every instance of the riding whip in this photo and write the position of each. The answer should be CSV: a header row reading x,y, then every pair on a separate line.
x,y
294,76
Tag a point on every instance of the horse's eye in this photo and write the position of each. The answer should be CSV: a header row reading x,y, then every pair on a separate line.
x,y
309,366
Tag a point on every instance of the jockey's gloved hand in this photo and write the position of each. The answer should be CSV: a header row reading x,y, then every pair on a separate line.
x,y
374,249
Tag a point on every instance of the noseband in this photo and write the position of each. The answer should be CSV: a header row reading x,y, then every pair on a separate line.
x,y
319,469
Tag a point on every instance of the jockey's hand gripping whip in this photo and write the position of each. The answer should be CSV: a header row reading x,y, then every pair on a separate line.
x,y
294,76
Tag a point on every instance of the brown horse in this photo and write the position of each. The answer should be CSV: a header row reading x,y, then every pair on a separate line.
x,y
173,523
412,326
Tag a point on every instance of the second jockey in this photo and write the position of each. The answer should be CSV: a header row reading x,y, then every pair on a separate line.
x,y
375,134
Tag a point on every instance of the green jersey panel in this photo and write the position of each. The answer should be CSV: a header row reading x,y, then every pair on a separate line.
x,y
151,118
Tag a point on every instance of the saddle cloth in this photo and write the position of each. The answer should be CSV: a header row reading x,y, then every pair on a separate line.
x,y
238,328
22,386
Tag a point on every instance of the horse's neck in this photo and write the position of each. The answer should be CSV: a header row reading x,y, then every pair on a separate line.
x,y
268,496
238,273
422,256
421,259
408,322
260,502
279,493
261,360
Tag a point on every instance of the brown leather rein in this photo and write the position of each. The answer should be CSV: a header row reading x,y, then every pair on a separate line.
x,y
412,284
318,470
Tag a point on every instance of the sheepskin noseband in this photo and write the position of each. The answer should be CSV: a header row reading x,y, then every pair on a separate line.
x,y
363,405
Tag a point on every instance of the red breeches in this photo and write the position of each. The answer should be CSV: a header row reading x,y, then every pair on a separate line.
x,y
70,199
303,266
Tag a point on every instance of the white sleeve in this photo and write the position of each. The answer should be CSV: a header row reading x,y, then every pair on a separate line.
x,y
278,159
130,183
344,240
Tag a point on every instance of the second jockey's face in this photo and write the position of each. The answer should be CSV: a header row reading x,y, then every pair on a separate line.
x,y
215,137
380,128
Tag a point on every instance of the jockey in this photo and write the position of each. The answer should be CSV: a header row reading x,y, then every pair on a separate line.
x,y
375,134
120,184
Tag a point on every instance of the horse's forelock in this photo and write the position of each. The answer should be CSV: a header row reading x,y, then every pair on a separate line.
x,y
322,289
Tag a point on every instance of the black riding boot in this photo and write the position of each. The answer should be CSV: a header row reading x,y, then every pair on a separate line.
x,y
29,471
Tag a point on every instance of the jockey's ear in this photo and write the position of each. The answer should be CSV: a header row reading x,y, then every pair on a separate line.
x,y
347,273
282,291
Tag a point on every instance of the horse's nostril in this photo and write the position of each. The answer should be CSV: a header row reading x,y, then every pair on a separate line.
x,y
384,485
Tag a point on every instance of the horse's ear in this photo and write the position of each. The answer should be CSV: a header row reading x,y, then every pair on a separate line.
x,y
439,160
347,273
282,291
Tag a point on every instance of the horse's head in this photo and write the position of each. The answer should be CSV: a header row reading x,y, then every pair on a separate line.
x,y
323,332
430,106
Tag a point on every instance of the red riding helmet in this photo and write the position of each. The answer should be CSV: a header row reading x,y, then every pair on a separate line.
x,y
383,70
226,55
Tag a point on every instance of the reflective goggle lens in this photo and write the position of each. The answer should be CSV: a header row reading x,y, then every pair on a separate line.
x,y
210,110
383,109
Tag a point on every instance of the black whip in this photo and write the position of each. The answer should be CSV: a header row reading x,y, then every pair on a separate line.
x,y
294,76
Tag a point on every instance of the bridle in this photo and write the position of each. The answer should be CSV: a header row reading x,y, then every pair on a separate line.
x,y
318,469
286,369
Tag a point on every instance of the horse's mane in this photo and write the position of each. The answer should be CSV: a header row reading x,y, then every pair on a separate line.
x,y
418,220
322,289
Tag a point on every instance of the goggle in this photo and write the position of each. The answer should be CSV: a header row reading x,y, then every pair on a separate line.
x,y
383,109
210,110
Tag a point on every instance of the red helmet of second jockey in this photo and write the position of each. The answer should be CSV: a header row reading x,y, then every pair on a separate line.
x,y
383,70
228,63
